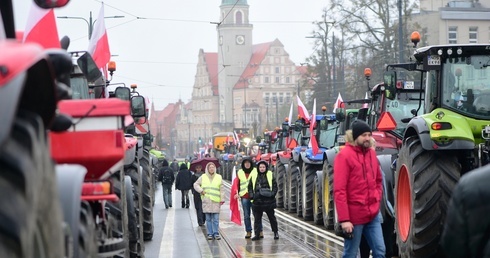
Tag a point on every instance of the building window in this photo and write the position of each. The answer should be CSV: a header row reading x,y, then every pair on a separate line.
x,y
287,79
239,18
277,79
277,69
266,79
452,35
473,35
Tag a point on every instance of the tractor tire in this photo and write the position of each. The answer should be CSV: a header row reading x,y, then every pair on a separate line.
x,y
280,175
307,189
317,201
299,203
31,224
133,219
327,196
87,236
292,181
148,199
115,208
135,245
424,184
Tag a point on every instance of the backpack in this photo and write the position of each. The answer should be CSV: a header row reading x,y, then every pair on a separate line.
x,y
167,176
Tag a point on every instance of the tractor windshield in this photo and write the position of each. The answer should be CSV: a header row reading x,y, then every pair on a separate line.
x,y
402,107
79,88
327,133
466,85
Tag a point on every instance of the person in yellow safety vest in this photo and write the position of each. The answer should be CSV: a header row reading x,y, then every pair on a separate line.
x,y
210,187
244,175
262,188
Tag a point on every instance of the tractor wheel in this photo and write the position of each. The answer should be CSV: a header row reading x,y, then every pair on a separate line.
x,y
148,197
280,175
307,189
327,196
135,245
31,224
292,181
115,208
424,184
299,203
87,242
317,201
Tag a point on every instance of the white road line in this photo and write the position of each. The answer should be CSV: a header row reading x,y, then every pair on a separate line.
x,y
167,244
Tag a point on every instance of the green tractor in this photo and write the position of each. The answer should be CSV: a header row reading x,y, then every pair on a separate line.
x,y
448,136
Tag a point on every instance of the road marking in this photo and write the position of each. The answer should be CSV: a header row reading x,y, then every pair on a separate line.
x,y
167,244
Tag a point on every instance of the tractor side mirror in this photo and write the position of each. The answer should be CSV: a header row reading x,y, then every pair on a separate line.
x,y
46,4
138,108
122,93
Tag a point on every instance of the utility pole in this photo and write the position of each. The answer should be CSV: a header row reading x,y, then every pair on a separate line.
x,y
334,77
90,22
400,32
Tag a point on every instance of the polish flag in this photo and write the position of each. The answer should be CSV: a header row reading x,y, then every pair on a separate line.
x,y
41,28
98,46
290,114
339,103
302,111
365,105
235,211
313,142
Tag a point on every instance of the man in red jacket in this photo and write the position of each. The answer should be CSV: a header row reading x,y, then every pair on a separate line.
x,y
358,191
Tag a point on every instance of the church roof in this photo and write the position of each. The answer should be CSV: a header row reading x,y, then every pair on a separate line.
x,y
258,54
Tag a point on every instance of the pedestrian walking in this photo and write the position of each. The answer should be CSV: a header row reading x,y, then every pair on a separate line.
x,y
358,191
244,176
175,166
166,176
201,218
467,228
210,187
184,184
262,188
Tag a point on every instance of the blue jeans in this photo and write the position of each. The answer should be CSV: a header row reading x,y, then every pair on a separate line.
x,y
167,194
374,236
212,223
247,209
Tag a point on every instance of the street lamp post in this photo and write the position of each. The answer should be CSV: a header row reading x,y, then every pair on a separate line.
x,y
89,22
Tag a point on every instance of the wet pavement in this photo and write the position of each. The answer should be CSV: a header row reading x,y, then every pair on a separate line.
x,y
177,234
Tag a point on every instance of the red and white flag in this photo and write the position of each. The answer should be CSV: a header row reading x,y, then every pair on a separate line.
x,y
235,211
302,111
290,114
98,46
365,105
41,28
339,103
313,142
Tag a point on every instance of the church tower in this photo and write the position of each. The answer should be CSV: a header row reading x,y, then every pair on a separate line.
x,y
234,52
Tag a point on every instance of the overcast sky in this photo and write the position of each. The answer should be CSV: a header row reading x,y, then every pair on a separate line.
x,y
159,53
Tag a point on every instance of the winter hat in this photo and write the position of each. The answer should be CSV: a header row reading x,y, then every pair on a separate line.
x,y
263,162
359,127
183,166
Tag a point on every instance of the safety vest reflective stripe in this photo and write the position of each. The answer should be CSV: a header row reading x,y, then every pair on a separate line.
x,y
269,179
244,181
212,189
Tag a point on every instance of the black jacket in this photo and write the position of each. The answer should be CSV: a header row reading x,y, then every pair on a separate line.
x,y
258,199
184,180
467,227
167,172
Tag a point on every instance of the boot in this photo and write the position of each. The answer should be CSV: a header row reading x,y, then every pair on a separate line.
x,y
261,234
248,235
255,238
276,235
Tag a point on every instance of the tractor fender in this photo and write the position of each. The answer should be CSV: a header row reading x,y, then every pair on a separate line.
x,y
70,178
308,158
296,153
385,162
419,126
329,155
